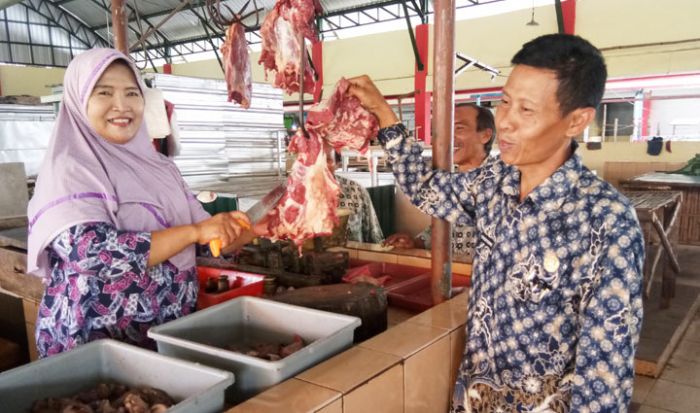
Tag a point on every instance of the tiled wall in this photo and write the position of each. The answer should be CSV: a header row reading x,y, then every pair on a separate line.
x,y
409,368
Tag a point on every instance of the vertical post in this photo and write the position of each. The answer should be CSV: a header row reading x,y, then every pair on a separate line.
x,y
568,8
605,121
646,113
119,26
637,115
317,58
422,97
443,111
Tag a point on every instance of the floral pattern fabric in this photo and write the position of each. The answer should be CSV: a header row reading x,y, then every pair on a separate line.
x,y
555,307
100,287
363,224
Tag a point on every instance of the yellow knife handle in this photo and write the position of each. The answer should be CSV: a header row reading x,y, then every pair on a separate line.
x,y
243,224
215,244
215,247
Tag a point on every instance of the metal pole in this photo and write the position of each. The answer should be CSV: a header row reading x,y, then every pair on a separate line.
x,y
119,26
615,124
605,120
374,174
443,115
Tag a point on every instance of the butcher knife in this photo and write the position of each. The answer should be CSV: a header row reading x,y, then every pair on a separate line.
x,y
255,214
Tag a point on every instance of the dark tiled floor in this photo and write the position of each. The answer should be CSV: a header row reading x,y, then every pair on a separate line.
x,y
677,390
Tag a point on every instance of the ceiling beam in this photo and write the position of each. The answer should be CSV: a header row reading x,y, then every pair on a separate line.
x,y
194,3
66,22
7,3
335,20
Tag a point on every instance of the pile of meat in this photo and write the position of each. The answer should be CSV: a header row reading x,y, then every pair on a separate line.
x,y
282,33
271,351
237,66
108,398
308,209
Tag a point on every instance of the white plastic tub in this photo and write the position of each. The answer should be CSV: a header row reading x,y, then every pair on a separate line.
x,y
197,388
204,335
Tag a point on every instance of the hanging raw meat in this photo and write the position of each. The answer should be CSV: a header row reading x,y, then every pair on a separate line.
x,y
308,208
281,34
239,80
342,121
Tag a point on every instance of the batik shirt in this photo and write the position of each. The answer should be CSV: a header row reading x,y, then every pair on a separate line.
x,y
100,287
463,240
363,225
555,307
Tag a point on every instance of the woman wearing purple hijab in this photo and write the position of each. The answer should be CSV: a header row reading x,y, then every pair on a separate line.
x,y
112,225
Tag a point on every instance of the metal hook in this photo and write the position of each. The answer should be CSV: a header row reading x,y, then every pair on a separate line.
x,y
302,69
217,16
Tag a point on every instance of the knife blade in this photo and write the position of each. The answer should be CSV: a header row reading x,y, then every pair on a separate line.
x,y
260,209
255,214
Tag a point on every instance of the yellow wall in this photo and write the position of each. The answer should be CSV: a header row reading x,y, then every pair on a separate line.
x,y
24,80
211,69
637,152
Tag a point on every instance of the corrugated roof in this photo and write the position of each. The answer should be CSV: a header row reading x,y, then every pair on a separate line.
x,y
80,24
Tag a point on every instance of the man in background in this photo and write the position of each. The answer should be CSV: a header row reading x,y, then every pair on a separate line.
x,y
473,137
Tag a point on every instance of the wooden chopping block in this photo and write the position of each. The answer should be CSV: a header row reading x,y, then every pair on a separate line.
x,y
10,354
366,301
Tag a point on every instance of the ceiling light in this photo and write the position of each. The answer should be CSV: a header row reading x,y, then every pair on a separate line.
x,y
532,21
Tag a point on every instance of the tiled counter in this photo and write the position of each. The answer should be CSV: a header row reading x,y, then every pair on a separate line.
x,y
409,368
412,257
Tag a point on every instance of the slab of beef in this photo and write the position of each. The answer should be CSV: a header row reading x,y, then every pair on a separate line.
x,y
308,209
281,43
239,80
342,121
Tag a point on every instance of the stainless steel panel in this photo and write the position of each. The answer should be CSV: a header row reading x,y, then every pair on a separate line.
x,y
25,131
226,148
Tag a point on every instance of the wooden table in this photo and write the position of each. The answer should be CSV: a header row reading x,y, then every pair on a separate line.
x,y
15,281
658,212
689,227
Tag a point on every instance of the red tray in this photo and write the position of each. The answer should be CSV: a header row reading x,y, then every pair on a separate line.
x,y
415,294
240,283
396,274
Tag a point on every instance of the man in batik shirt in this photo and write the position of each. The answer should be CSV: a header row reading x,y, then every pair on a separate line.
x,y
555,306
474,135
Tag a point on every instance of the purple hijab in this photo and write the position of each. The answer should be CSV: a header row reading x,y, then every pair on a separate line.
x,y
85,178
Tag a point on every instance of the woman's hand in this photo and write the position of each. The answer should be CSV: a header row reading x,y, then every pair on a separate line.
x,y
401,241
226,226
372,99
